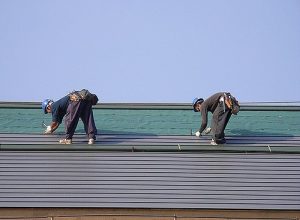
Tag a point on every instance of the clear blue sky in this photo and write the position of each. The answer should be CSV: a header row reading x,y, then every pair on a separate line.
x,y
150,50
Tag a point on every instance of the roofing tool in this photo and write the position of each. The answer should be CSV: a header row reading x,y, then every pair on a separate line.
x,y
44,125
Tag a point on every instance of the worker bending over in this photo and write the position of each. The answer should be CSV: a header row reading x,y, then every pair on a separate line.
x,y
73,106
222,105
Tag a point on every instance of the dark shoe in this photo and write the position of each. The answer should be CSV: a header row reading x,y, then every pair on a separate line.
x,y
213,142
222,141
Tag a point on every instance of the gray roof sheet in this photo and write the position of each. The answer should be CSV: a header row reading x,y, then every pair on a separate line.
x,y
151,143
120,179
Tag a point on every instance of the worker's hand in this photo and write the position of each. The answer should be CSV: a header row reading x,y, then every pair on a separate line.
x,y
48,130
198,134
207,130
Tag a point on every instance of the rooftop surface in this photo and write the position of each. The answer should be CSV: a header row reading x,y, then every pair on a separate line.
x,y
150,180
148,158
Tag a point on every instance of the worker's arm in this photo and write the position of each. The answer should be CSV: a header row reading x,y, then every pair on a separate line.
x,y
203,122
52,127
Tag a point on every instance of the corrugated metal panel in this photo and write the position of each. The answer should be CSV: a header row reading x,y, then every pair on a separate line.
x,y
149,180
151,143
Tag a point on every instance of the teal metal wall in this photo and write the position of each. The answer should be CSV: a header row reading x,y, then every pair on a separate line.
x,y
158,119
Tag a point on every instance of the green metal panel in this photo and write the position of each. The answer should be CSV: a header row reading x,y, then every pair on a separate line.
x,y
156,122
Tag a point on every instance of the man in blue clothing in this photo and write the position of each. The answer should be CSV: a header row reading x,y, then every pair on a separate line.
x,y
73,107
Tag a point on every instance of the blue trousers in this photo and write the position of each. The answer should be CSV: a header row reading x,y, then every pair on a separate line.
x,y
83,110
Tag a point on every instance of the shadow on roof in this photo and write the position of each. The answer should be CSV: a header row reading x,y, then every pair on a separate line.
x,y
245,132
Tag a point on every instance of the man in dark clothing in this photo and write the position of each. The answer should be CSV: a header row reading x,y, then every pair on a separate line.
x,y
221,115
73,110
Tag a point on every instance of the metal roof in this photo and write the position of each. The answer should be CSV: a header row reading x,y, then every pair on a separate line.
x,y
156,143
36,172
245,106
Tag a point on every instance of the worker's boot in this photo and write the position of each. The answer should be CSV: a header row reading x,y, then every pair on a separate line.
x,y
65,141
91,141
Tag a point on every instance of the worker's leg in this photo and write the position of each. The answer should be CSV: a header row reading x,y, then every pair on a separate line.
x,y
72,118
220,120
88,121
227,119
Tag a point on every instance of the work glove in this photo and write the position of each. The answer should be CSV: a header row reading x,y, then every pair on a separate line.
x,y
48,130
207,130
198,134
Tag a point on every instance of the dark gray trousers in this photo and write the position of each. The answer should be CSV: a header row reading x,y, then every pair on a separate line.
x,y
219,123
81,109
